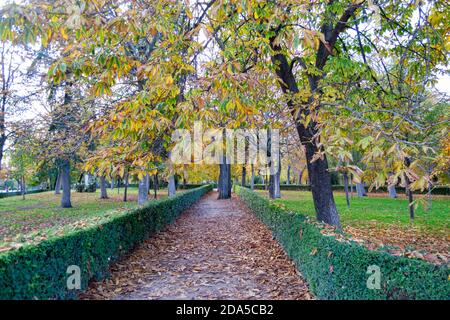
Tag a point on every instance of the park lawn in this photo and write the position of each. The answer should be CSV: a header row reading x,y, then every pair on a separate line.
x,y
40,211
376,210
378,221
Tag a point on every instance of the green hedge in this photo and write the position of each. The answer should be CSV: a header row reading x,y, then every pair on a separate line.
x,y
438,190
338,270
19,193
193,185
39,271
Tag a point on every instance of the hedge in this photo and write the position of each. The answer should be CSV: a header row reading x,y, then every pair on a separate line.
x,y
19,193
39,271
338,270
438,190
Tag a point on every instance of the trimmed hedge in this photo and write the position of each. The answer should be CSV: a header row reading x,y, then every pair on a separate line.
x,y
39,271
19,193
438,190
193,185
338,270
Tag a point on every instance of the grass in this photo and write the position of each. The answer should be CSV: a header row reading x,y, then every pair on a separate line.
x,y
42,210
376,210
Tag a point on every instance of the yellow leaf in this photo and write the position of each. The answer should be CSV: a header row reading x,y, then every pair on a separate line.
x,y
64,34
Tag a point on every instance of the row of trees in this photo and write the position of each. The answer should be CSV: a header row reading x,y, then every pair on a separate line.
x,y
347,81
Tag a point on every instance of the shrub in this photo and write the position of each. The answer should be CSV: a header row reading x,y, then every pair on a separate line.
x,y
438,190
39,271
18,193
81,187
338,270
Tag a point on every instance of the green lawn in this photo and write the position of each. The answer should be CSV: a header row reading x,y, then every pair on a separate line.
x,y
42,210
376,210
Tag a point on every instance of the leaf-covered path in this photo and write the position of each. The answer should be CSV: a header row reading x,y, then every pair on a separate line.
x,y
215,250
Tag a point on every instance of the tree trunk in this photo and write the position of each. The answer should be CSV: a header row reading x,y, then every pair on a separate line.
x,y
318,173
429,196
322,192
58,183
103,193
411,204
347,197
22,187
288,179
274,182
392,191
351,186
184,177
244,176
391,187
147,183
274,178
224,184
65,183
171,188
155,186
125,192
274,186
112,183
410,197
300,175
2,136
252,181
142,191
360,190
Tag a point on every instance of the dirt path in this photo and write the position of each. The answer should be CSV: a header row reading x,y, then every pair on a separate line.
x,y
215,250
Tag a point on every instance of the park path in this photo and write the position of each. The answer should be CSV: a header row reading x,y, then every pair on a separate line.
x,y
217,249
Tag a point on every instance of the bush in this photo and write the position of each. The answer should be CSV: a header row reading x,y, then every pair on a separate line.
x,y
438,190
18,193
39,271
81,187
338,270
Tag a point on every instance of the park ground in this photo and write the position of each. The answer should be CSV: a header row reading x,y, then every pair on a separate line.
x,y
217,249
41,211
375,221
378,221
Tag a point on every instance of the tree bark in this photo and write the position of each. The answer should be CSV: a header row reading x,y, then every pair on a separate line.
x,y
155,186
112,183
2,139
125,192
171,188
409,191
318,173
224,184
274,186
184,177
22,187
320,178
103,192
391,187
244,176
65,183
142,191
147,183
360,190
347,197
274,178
288,179
300,175
58,183
252,181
